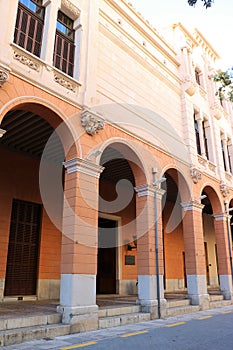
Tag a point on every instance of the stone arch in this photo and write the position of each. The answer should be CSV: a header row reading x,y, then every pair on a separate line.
x,y
133,153
23,186
213,197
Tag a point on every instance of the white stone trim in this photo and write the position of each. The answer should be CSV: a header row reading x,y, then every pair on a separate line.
x,y
226,286
147,288
83,166
197,290
221,216
193,205
74,10
149,190
2,132
78,290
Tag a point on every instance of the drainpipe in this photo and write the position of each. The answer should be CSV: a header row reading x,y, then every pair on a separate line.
x,y
155,183
227,210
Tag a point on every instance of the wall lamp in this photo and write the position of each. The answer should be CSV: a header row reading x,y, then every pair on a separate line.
x,y
133,244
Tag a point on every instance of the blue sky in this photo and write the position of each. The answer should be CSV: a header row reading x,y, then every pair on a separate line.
x,y
215,23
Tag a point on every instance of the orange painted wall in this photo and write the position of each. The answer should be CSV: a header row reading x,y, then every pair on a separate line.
x,y
173,247
19,180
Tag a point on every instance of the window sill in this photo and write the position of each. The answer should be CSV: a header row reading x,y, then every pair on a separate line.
x,y
37,69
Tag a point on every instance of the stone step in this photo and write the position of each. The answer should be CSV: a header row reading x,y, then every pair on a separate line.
x,y
178,303
20,335
176,311
29,321
216,297
116,311
120,320
220,303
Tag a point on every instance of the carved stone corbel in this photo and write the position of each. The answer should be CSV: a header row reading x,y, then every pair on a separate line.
x,y
224,189
91,122
4,77
195,174
190,85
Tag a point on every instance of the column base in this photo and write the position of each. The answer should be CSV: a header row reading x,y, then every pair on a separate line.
x,y
197,291
81,318
203,300
226,286
151,307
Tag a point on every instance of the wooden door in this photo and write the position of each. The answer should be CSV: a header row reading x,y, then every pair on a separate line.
x,y
207,264
23,248
106,272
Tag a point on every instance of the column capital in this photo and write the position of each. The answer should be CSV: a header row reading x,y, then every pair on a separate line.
x,y
2,132
83,166
149,190
193,205
222,216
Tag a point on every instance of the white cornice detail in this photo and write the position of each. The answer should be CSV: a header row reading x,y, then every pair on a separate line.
x,y
192,206
83,166
149,190
2,132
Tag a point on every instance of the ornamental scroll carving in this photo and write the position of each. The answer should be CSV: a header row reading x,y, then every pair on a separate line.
x,y
4,77
71,7
26,61
196,175
91,122
224,189
64,82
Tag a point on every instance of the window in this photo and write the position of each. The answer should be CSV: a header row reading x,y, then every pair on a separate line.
x,y
197,76
229,158
63,58
205,140
197,133
223,156
29,25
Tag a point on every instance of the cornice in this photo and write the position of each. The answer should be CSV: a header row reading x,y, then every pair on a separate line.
x,y
152,38
205,42
143,61
186,33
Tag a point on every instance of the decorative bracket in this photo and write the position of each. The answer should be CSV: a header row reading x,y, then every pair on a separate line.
x,y
91,122
196,174
224,189
4,77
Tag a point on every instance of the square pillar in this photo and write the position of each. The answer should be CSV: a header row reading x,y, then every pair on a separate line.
x,y
79,245
224,265
195,254
149,224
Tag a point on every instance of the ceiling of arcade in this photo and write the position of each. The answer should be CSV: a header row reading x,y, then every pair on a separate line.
x,y
28,133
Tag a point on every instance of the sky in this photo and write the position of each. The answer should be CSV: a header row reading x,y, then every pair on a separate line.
x,y
215,23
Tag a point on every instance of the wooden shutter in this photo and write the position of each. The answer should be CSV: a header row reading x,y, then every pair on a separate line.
x,y
28,30
22,260
63,58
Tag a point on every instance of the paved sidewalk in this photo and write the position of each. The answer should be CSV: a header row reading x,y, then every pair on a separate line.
x,y
83,339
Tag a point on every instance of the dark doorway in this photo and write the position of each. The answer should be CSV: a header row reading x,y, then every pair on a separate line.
x,y
107,242
23,249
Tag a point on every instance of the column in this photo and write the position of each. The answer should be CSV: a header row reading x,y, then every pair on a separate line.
x,y
146,250
224,268
50,23
225,150
195,254
79,245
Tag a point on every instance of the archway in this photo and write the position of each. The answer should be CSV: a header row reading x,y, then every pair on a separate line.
x,y
117,241
173,239
31,242
211,206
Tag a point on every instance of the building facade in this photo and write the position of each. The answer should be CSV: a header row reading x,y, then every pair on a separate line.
x,y
116,173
